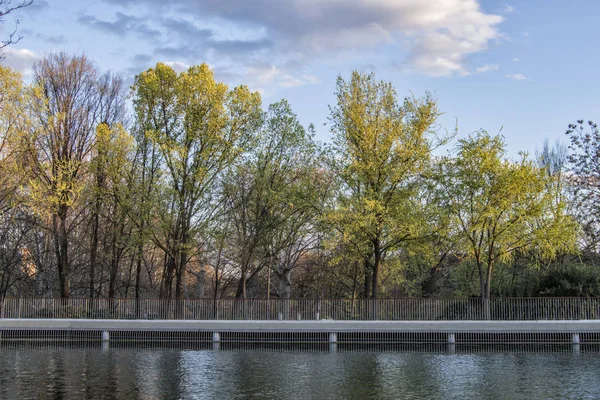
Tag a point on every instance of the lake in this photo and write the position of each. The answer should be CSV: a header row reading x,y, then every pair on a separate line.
x,y
28,372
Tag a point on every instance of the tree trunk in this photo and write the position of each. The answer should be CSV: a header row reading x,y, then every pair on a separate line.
x,y
376,267
61,248
488,281
241,289
367,289
285,282
482,290
200,284
94,248
167,278
138,278
485,279
114,267
245,267
180,276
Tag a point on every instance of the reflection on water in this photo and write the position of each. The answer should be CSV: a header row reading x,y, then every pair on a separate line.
x,y
28,372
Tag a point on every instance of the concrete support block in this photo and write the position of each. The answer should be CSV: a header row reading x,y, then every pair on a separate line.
x,y
451,348
576,338
451,338
105,336
216,338
333,337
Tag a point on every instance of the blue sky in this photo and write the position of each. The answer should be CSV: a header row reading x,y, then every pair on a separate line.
x,y
527,67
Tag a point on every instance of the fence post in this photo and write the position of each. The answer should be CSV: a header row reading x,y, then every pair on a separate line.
x,y
318,310
20,305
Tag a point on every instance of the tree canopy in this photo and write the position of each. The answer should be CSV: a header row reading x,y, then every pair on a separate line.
x,y
198,190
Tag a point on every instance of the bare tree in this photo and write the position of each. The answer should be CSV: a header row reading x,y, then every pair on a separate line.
x,y
7,7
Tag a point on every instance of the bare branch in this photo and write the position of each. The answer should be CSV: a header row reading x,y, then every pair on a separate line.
x,y
6,8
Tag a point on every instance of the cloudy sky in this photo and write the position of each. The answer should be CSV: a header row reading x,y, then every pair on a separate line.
x,y
527,67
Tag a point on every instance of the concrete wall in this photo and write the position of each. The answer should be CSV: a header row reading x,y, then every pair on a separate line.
x,y
576,326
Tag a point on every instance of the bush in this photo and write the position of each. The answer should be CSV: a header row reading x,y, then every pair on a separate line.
x,y
570,280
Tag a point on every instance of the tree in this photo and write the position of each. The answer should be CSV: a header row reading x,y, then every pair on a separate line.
x,y
501,207
15,224
143,184
199,125
12,120
110,199
273,198
70,99
380,149
6,8
585,176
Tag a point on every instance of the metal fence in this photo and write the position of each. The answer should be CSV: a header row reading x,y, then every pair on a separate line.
x,y
405,309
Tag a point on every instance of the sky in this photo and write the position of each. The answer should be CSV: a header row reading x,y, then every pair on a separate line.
x,y
526,68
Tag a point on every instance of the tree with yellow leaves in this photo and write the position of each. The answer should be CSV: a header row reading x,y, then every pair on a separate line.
x,y
12,120
14,224
501,207
199,125
109,198
381,147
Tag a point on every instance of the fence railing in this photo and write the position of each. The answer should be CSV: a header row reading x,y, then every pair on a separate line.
x,y
407,309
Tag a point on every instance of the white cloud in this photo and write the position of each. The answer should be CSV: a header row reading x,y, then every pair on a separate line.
x,y
21,60
508,9
178,66
486,68
438,36
517,77
261,76
516,59
526,34
310,79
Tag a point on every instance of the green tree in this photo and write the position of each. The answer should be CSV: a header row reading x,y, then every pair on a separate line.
x,y
273,199
198,124
380,149
110,199
501,207
13,119
15,223
144,179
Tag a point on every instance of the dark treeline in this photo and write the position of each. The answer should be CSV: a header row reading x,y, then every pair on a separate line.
x,y
200,191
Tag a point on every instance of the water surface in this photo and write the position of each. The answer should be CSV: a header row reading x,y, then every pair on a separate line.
x,y
93,373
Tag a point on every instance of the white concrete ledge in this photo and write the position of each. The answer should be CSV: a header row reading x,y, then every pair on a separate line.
x,y
574,326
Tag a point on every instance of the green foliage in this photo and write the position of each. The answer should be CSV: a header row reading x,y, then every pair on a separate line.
x,y
380,148
13,118
568,278
199,126
501,207
274,195
571,279
206,185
